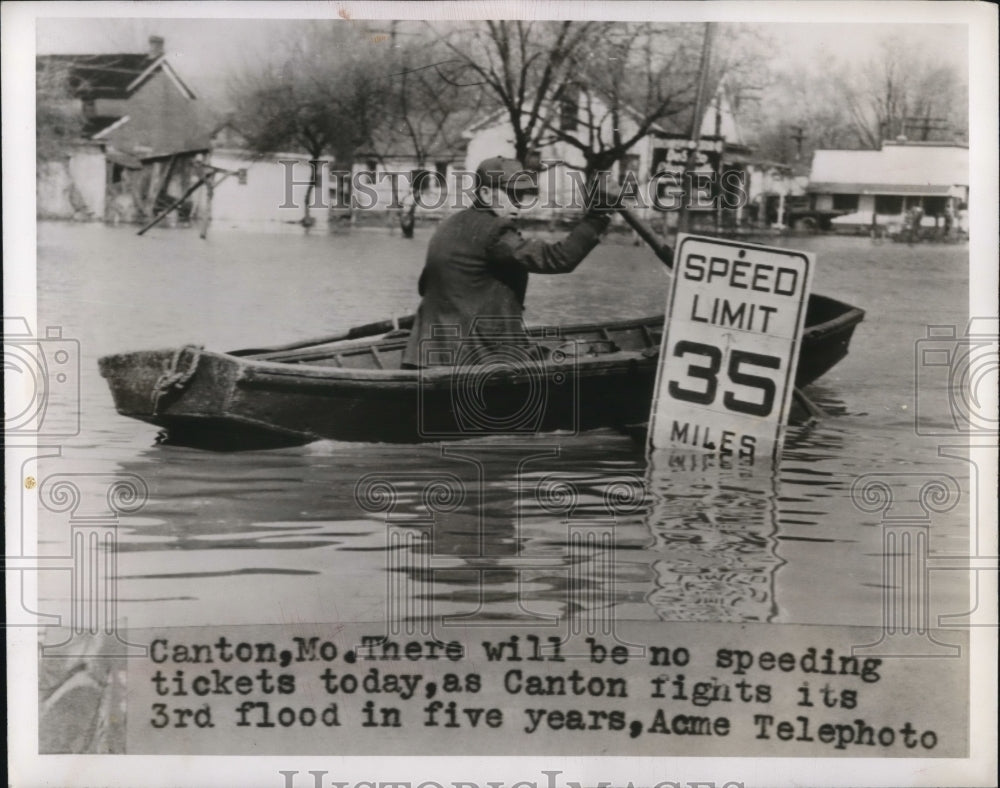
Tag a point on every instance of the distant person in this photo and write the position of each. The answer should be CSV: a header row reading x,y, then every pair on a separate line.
x,y
478,264
914,217
407,215
963,219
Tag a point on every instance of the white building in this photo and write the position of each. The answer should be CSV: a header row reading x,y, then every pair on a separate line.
x,y
889,181
72,187
664,149
272,188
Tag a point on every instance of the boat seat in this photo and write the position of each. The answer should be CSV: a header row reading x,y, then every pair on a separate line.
x,y
584,347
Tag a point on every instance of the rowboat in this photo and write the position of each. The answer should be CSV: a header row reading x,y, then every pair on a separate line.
x,y
351,388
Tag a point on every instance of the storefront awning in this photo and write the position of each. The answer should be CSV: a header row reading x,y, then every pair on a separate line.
x,y
926,190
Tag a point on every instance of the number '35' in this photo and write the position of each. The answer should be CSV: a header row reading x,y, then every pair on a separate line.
x,y
706,367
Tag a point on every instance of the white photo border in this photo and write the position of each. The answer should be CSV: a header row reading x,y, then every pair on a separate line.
x,y
27,768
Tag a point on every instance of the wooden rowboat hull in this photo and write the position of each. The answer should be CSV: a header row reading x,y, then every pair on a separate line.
x,y
594,375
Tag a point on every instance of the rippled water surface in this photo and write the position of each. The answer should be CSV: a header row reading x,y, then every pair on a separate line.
x,y
515,528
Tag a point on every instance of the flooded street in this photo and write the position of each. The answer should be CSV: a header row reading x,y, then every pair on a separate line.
x,y
534,527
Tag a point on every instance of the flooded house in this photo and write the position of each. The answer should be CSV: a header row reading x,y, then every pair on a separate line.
x,y
880,186
654,162
269,189
275,188
141,142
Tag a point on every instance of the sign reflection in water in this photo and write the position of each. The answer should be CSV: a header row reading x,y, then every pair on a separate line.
x,y
548,540
715,522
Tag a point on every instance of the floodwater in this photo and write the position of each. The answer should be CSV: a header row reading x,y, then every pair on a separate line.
x,y
519,528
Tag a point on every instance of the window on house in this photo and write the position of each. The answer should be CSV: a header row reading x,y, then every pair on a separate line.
x,y
421,180
533,161
845,202
442,170
630,164
934,206
339,190
569,108
888,204
659,158
371,166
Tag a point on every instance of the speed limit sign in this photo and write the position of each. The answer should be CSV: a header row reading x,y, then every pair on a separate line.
x,y
734,324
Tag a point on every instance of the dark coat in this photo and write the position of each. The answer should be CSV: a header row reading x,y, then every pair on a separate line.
x,y
475,278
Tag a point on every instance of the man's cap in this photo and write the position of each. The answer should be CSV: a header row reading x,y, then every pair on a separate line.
x,y
507,174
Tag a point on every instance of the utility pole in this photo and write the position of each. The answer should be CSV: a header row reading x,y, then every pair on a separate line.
x,y
798,136
720,145
696,119
925,125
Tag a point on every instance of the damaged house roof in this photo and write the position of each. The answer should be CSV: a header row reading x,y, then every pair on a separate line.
x,y
118,76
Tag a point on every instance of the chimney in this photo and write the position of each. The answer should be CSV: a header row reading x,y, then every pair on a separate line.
x,y
155,47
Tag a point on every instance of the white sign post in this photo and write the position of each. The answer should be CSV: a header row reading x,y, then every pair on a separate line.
x,y
730,347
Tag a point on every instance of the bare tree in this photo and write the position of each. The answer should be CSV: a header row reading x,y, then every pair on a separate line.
x,y
427,114
631,78
800,110
832,104
599,87
903,91
325,94
59,121
523,65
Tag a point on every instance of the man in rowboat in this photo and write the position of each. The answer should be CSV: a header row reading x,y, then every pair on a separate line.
x,y
476,273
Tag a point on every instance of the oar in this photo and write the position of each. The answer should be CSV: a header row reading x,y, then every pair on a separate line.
x,y
664,252
358,332
814,411
666,255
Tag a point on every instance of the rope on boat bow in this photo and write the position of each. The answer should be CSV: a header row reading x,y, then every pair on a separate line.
x,y
173,380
